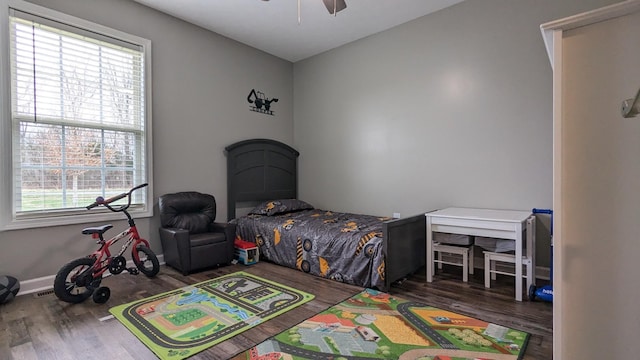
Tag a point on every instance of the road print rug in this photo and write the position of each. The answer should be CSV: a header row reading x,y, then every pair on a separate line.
x,y
183,322
376,325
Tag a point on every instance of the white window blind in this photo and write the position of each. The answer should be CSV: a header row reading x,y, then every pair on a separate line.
x,y
78,117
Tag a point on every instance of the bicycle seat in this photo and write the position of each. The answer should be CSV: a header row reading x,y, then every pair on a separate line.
x,y
96,230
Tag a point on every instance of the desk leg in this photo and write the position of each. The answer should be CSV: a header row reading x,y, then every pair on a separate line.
x,y
429,262
519,262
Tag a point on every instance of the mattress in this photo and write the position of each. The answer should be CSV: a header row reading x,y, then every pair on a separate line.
x,y
340,246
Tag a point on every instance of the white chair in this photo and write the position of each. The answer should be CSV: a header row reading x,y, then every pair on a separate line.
x,y
490,271
492,257
465,251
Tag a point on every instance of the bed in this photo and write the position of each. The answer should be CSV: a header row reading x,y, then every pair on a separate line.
x,y
363,250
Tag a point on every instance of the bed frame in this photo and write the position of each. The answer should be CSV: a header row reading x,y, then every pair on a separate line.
x,y
264,169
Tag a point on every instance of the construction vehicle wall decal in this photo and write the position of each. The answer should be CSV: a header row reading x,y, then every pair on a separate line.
x,y
260,103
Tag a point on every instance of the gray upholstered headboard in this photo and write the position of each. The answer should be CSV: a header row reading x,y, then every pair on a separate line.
x,y
260,170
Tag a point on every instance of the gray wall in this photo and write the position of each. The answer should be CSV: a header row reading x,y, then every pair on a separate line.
x,y
200,84
451,109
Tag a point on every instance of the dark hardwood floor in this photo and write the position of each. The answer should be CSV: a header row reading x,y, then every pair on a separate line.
x,y
42,327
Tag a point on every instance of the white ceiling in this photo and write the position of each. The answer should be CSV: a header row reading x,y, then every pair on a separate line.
x,y
272,26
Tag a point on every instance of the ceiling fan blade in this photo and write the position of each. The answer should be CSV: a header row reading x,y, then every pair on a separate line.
x,y
337,5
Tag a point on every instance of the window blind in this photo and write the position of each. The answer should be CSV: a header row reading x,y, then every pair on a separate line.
x,y
77,111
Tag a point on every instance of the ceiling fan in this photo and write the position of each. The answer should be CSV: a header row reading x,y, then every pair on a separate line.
x,y
333,6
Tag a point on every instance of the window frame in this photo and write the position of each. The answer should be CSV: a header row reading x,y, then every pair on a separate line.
x,y
8,220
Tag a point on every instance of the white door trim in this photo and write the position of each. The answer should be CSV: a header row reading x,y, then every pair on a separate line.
x,y
552,33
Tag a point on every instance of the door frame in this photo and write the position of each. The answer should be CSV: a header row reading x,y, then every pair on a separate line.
x,y
553,34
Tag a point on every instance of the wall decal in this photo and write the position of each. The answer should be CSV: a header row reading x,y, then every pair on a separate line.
x,y
260,102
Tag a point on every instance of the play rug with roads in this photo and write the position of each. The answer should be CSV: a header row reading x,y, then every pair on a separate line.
x,y
180,323
375,325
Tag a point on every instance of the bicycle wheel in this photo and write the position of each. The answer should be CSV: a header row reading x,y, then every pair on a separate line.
x,y
74,282
101,295
148,262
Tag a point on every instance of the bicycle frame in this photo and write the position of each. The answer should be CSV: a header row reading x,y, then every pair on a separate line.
x,y
103,255
81,278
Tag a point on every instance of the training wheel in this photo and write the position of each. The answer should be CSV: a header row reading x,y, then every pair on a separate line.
x,y
101,295
532,293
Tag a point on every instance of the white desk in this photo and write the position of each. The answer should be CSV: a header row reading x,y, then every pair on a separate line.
x,y
503,224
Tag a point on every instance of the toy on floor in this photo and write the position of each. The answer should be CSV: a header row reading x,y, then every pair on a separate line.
x,y
544,293
246,252
81,278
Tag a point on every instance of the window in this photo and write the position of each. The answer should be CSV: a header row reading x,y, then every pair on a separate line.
x,y
78,122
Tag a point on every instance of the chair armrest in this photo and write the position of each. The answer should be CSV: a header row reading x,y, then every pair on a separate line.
x,y
229,233
179,235
176,247
228,229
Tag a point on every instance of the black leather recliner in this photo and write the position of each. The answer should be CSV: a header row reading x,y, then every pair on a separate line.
x,y
191,239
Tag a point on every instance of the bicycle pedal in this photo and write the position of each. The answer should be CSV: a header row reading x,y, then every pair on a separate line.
x,y
133,271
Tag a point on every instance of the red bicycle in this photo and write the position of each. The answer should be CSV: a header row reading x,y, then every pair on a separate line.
x,y
81,278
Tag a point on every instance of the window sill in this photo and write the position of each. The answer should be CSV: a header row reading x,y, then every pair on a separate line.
x,y
102,216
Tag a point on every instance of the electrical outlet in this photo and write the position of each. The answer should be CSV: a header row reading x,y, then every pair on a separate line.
x,y
396,215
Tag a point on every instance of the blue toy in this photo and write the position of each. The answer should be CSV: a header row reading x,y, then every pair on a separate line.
x,y
544,293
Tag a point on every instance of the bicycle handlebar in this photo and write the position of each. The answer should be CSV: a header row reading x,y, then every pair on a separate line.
x,y
102,201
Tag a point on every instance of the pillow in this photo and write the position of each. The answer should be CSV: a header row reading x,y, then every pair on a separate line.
x,y
275,207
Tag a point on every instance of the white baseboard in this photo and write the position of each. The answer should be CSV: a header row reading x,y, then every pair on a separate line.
x,y
45,283
543,273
